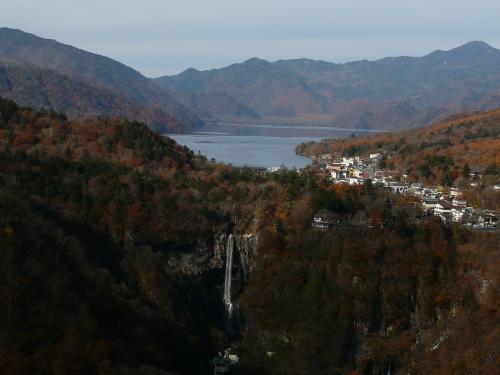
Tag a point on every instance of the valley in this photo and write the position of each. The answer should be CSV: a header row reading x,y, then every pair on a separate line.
x,y
392,93
258,216
164,258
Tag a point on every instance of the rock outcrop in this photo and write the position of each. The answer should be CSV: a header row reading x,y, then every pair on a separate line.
x,y
209,257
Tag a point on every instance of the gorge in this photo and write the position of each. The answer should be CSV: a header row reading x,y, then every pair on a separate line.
x,y
139,256
258,187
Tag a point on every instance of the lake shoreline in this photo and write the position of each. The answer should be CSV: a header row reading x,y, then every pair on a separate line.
x,y
295,127
257,146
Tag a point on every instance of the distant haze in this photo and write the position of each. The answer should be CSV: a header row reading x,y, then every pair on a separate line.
x,y
159,37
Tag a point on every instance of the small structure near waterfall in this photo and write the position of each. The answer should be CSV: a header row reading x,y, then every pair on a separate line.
x,y
223,361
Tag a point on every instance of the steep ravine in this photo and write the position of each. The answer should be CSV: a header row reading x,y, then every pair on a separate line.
x,y
215,274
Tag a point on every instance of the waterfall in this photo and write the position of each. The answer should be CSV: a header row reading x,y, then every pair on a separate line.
x,y
229,274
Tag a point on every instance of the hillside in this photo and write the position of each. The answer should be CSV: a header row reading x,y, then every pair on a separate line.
x,y
113,253
18,47
471,139
260,85
40,88
214,106
391,93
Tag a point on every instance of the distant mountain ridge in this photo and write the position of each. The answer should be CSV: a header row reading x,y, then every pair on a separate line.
x,y
391,93
139,97
40,88
145,98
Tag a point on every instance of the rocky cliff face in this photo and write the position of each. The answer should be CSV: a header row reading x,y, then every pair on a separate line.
x,y
209,257
245,248
215,275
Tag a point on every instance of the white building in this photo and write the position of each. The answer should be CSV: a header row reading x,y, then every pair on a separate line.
x,y
459,202
337,175
352,180
429,204
442,208
457,215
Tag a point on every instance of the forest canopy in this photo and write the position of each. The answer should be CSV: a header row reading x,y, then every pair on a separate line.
x,y
92,212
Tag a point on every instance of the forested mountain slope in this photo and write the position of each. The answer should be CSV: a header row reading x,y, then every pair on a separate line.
x,y
463,139
107,238
88,69
391,93
40,88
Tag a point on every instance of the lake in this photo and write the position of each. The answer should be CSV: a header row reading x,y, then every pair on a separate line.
x,y
263,146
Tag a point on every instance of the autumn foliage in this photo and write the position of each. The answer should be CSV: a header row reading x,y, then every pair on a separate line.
x,y
93,212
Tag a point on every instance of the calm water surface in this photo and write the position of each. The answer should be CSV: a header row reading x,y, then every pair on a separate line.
x,y
256,145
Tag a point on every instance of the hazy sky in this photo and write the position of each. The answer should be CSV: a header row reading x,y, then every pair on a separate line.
x,y
160,37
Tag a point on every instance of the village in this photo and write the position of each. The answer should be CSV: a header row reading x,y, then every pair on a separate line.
x,y
447,204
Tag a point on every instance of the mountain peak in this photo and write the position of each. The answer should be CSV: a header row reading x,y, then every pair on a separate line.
x,y
190,72
477,44
474,47
8,30
256,60
473,51
15,35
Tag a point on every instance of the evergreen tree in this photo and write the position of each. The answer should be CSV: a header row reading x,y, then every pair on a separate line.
x,y
466,170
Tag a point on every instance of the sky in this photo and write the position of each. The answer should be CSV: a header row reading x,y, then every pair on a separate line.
x,y
160,37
